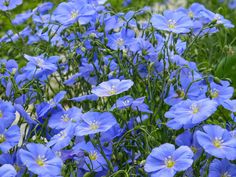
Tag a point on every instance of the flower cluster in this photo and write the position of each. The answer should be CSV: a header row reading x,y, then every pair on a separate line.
x,y
98,93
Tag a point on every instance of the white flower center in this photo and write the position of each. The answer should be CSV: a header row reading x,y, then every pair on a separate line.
x,y
169,162
214,93
120,42
41,160
93,155
113,90
74,14
194,108
94,125
217,142
171,23
65,118
39,62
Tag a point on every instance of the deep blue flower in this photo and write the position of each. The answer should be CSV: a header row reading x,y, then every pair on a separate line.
x,y
7,170
110,134
14,160
112,87
188,86
222,168
9,4
43,108
40,160
93,158
7,113
189,139
85,71
176,22
217,142
9,137
165,160
94,122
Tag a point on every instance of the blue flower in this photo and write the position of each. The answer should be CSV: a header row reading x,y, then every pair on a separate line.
x,y
230,105
95,122
24,114
43,8
62,119
41,63
7,170
21,18
9,137
39,67
165,160
62,139
119,40
123,102
40,160
188,139
127,101
53,34
91,97
222,168
217,142
232,4
176,22
43,108
189,113
9,4
221,92
68,13
112,87
7,113
218,18
14,160
93,158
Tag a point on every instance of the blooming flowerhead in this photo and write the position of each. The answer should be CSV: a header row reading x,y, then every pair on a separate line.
x,y
94,122
189,113
7,113
222,168
40,160
9,137
217,142
7,170
93,157
165,160
68,13
176,22
9,4
112,87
